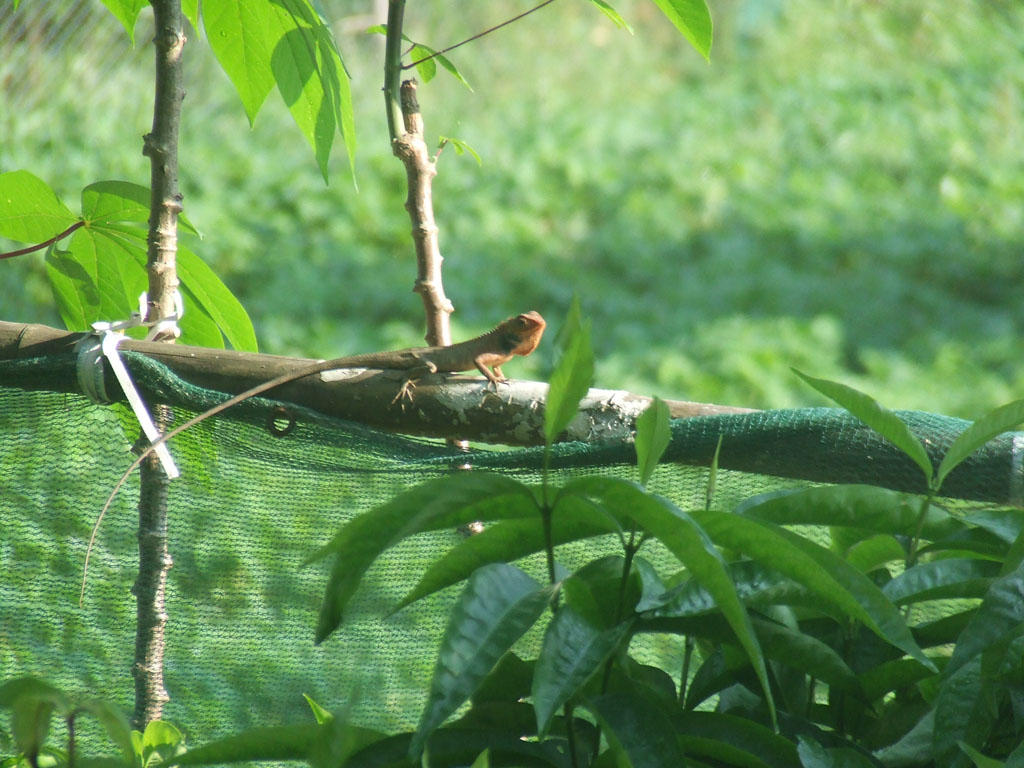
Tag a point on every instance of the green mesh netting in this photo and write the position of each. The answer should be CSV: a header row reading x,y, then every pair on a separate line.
x,y
251,506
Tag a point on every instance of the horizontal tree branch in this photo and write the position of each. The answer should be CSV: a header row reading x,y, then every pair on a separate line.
x,y
446,406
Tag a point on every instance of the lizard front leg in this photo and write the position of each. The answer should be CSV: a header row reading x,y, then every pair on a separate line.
x,y
492,378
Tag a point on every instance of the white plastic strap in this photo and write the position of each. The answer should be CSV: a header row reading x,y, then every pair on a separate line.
x,y
90,371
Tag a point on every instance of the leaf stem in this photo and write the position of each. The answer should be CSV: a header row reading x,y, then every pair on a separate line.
x,y
45,244
477,36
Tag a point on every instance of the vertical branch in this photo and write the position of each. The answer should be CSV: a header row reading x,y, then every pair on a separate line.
x,y
161,147
411,149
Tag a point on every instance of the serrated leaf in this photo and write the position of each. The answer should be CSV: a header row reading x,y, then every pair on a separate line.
x,y
509,540
570,381
652,438
126,12
311,77
687,540
855,506
572,651
639,727
215,298
990,425
447,502
816,569
30,211
693,19
879,418
612,14
238,32
498,605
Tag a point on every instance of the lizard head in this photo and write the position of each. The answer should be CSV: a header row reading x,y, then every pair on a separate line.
x,y
524,331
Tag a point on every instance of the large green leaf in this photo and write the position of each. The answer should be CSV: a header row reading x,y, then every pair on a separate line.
x,y
652,438
893,675
30,211
216,300
815,568
882,420
282,742
807,654
1001,611
126,12
704,734
640,728
572,376
692,19
112,202
572,651
238,33
498,605
311,77
457,746
942,580
686,540
964,711
856,506
510,540
447,502
980,432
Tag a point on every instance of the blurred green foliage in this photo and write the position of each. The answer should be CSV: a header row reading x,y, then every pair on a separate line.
x,y
840,190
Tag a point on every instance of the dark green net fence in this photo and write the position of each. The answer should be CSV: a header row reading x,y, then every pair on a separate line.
x,y
251,506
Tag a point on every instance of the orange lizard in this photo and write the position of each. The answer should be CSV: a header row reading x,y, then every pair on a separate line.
x,y
517,335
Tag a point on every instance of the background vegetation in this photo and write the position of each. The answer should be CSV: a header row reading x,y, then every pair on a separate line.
x,y
839,190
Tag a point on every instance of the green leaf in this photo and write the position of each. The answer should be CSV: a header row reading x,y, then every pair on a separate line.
x,y
238,31
163,740
30,211
74,290
703,734
979,760
498,605
990,425
216,300
892,676
652,438
426,66
855,506
693,19
570,381
639,727
509,540
1001,610
612,14
816,569
311,77
114,723
190,9
803,652
686,539
964,711
112,202
942,580
880,419
447,502
282,742
460,147
572,651
126,12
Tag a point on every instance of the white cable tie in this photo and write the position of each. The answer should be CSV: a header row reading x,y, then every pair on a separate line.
x,y
167,324
109,345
